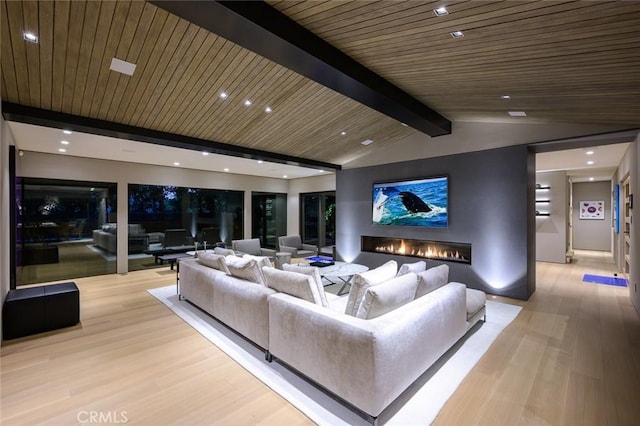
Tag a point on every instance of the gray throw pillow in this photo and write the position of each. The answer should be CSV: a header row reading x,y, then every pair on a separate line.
x,y
432,279
214,261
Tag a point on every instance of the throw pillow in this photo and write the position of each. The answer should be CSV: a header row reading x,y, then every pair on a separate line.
x,y
261,260
247,269
416,267
224,251
432,279
385,297
361,282
214,261
314,273
292,283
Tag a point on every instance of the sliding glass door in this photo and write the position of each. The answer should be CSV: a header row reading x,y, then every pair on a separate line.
x,y
268,217
317,221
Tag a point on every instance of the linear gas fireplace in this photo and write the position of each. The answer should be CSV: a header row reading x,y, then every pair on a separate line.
x,y
438,250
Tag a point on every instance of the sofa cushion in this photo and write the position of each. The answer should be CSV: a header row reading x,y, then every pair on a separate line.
x,y
260,260
416,267
382,298
361,282
432,279
476,300
247,269
214,261
314,273
293,283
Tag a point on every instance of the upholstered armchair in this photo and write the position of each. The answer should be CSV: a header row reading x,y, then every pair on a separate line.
x,y
252,247
293,244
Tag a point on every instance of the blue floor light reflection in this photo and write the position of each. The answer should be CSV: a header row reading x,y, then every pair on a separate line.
x,y
601,279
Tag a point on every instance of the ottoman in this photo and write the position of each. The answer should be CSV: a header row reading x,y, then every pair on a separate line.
x,y
34,310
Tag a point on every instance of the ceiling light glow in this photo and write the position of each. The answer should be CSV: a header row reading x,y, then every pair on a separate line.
x,y
285,176
343,133
247,103
62,150
591,179
175,163
268,110
367,142
260,161
440,11
223,95
590,163
67,132
589,152
404,124
31,37
505,97
64,142
517,113
226,169
457,34
205,153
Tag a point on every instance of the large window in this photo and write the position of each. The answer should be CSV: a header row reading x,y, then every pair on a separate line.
x,y
189,214
318,218
54,229
268,217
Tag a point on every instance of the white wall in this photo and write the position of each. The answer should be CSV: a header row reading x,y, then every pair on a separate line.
x,y
5,206
551,231
592,234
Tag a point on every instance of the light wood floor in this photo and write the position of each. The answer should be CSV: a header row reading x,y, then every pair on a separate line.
x,y
572,357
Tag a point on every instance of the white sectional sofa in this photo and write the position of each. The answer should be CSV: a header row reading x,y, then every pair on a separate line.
x,y
367,361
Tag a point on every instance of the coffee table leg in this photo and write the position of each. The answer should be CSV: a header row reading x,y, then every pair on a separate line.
x,y
346,283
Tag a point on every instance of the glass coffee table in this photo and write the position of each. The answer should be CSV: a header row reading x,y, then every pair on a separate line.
x,y
341,272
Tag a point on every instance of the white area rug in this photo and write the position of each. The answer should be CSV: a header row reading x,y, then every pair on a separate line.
x,y
419,405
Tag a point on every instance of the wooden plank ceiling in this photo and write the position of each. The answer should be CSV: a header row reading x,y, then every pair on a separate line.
x,y
559,62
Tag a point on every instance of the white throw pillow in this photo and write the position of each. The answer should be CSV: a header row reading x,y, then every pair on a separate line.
x,y
314,273
382,298
214,261
361,282
432,279
261,260
247,269
416,267
292,283
223,251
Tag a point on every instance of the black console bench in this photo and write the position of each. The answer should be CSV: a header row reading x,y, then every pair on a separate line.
x,y
37,309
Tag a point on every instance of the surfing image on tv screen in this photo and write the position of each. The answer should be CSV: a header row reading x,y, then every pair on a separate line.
x,y
419,202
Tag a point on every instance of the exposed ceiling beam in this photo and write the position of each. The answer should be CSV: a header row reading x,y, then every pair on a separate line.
x,y
258,27
609,138
59,120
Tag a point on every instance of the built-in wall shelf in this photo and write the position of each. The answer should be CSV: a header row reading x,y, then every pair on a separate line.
x,y
542,187
543,214
543,201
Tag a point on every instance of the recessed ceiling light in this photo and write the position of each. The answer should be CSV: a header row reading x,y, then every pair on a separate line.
x,y
223,95
123,67
589,152
405,124
205,153
67,132
367,142
591,178
175,163
226,169
590,163
441,11
320,171
260,161
247,103
62,150
457,34
343,133
517,113
64,142
31,37
268,109
505,97
285,176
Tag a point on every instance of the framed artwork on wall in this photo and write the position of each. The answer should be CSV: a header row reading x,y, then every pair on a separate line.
x,y
592,210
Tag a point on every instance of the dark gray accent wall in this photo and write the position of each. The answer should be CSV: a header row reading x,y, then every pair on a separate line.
x,y
491,206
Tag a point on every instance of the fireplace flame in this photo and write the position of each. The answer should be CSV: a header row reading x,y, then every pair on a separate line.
x,y
429,252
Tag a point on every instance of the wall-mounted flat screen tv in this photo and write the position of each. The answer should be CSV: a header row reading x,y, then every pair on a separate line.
x,y
417,202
